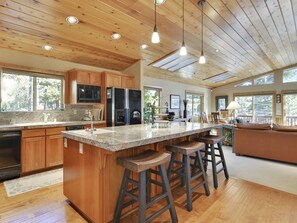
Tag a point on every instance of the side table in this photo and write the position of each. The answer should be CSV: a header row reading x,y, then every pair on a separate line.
x,y
229,127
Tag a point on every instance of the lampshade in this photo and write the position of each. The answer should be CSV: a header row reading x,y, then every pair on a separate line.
x,y
233,105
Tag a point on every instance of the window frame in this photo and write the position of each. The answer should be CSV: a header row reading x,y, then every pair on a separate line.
x,y
252,94
240,84
283,109
196,94
262,76
292,68
35,75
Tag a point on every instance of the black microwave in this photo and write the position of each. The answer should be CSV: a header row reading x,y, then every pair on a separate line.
x,y
88,93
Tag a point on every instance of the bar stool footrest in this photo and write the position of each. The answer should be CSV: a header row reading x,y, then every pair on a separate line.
x,y
153,216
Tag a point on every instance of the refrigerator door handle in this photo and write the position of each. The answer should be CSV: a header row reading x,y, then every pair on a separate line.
x,y
127,116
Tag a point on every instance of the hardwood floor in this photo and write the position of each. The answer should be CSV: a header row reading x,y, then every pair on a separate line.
x,y
234,201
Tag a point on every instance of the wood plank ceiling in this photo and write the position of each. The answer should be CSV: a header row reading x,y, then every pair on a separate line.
x,y
252,36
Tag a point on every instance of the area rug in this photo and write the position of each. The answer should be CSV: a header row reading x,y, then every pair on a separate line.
x,y
278,175
33,182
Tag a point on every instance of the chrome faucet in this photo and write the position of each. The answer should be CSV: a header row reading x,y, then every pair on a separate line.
x,y
45,117
92,126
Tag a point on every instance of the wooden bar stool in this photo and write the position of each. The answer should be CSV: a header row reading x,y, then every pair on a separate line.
x,y
183,170
210,141
142,164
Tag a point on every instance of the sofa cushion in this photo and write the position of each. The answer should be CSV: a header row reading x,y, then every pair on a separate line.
x,y
253,126
284,128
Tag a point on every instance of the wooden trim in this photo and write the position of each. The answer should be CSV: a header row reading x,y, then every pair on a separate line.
x,y
25,68
33,133
253,93
289,92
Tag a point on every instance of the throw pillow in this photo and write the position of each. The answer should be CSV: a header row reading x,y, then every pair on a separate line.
x,y
284,128
253,126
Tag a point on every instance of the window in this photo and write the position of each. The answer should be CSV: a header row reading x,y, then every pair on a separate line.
x,y
244,84
152,96
266,79
25,91
256,108
290,108
290,75
195,104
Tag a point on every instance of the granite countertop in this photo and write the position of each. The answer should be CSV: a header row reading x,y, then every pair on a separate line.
x,y
34,125
124,137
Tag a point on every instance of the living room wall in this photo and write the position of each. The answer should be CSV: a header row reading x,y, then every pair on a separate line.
x,y
230,89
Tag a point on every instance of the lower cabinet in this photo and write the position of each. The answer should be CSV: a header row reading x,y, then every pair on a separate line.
x,y
54,150
41,148
81,178
33,153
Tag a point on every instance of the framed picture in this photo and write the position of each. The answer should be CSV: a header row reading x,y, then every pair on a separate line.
x,y
174,101
221,103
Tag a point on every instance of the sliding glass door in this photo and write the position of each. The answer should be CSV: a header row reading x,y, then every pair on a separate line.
x,y
256,108
290,108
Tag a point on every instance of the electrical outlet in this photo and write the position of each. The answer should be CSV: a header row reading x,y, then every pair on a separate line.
x,y
65,143
74,111
81,148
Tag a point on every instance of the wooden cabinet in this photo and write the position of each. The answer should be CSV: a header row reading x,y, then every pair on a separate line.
x,y
54,147
128,82
119,80
113,80
33,150
81,178
75,77
41,148
86,77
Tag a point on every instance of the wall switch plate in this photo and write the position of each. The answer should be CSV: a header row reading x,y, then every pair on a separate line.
x,y
81,148
65,143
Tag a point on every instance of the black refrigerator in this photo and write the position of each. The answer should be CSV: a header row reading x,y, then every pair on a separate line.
x,y
123,106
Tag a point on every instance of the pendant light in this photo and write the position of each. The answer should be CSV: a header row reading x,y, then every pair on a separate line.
x,y
183,49
155,36
202,57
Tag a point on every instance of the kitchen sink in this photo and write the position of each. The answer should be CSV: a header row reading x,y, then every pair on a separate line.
x,y
86,132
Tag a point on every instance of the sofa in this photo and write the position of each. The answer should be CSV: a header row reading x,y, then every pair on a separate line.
x,y
261,140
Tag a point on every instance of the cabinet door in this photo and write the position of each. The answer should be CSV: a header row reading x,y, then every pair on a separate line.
x,y
128,82
71,173
54,150
33,153
113,80
83,77
95,78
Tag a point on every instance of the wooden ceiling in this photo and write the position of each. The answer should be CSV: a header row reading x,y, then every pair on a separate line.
x,y
252,36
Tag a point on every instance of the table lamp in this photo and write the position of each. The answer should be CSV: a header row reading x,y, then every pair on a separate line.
x,y
233,106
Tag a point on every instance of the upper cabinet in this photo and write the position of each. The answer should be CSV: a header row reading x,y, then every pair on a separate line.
x,y
85,77
77,76
119,80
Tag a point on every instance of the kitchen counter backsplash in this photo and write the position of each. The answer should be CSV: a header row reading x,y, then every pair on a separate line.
x,y
70,113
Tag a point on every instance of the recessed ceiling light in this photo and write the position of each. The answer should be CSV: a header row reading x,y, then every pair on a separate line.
x,y
47,47
217,50
159,2
72,19
144,46
116,36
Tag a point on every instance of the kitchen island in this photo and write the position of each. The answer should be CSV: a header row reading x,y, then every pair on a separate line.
x,y
92,177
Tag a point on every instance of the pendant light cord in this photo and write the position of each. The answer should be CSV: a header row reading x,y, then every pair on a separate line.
x,y
155,13
183,21
202,26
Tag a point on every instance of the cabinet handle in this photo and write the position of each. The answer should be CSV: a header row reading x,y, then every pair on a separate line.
x,y
81,148
65,143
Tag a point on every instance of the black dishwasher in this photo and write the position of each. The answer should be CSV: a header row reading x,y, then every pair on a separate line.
x,y
10,154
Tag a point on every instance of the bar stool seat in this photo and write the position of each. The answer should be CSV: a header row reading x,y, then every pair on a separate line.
x,y
183,170
140,192
210,141
144,160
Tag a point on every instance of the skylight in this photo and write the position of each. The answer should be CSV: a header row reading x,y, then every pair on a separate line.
x,y
173,61
220,77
